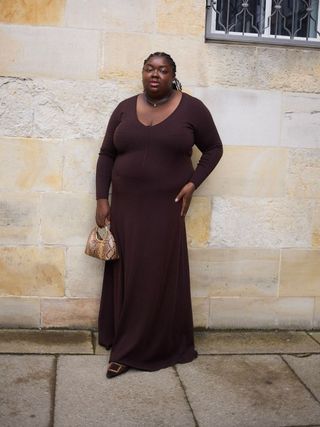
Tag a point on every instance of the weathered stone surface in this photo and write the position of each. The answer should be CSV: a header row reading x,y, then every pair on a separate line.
x,y
237,342
200,310
32,271
299,273
111,15
245,171
247,118
27,51
227,65
119,50
234,272
45,341
67,218
34,12
80,159
300,121
69,109
84,274
19,312
16,112
263,222
316,226
137,398
69,312
26,390
187,17
198,221
283,313
315,335
308,369
252,390
304,173
58,108
30,164
120,58
19,218
287,69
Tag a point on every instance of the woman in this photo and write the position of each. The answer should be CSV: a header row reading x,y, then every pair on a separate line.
x,y
145,312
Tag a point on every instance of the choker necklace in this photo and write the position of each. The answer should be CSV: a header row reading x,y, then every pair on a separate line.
x,y
156,103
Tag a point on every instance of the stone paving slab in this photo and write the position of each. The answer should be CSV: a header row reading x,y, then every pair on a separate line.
x,y
26,387
315,335
85,397
308,369
247,390
255,342
45,341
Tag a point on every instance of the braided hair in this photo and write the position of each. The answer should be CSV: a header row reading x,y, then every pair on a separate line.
x,y
175,82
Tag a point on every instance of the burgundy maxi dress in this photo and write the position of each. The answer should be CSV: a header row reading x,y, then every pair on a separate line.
x,y
145,312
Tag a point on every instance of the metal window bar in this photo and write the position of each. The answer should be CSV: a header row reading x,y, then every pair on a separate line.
x,y
284,22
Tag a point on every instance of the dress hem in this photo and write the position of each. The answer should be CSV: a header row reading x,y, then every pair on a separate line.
x,y
157,368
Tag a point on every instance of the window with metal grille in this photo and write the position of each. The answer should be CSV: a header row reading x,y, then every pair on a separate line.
x,y
284,22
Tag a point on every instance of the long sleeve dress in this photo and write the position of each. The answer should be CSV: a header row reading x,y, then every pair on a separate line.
x,y
145,314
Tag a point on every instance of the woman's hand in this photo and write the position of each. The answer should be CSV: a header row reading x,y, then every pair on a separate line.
x,y
186,196
102,212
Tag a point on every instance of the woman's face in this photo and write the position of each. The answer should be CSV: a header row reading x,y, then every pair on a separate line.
x,y
157,76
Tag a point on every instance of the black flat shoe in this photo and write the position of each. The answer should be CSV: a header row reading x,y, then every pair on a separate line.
x,y
116,369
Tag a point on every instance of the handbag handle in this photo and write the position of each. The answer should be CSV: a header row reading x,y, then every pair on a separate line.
x,y
106,227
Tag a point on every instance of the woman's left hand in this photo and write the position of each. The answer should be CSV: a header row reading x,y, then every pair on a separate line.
x,y
186,196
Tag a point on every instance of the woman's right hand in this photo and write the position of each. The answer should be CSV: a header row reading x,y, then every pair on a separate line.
x,y
102,212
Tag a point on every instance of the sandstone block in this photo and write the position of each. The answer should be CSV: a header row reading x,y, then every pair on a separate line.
x,y
17,312
287,69
80,159
299,273
245,171
228,65
72,109
300,120
16,116
304,173
120,58
200,310
84,274
265,222
187,17
282,313
19,218
34,12
198,221
111,15
67,218
28,51
245,117
32,271
30,164
79,313
316,226
234,272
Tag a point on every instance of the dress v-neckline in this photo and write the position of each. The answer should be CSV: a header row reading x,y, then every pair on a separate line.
x,y
162,121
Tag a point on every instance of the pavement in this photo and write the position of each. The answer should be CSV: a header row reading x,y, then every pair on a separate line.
x,y
241,378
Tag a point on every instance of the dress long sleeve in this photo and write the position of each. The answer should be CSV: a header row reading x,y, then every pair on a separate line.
x,y
208,141
107,155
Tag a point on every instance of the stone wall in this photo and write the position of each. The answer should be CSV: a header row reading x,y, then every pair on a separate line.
x,y
253,226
